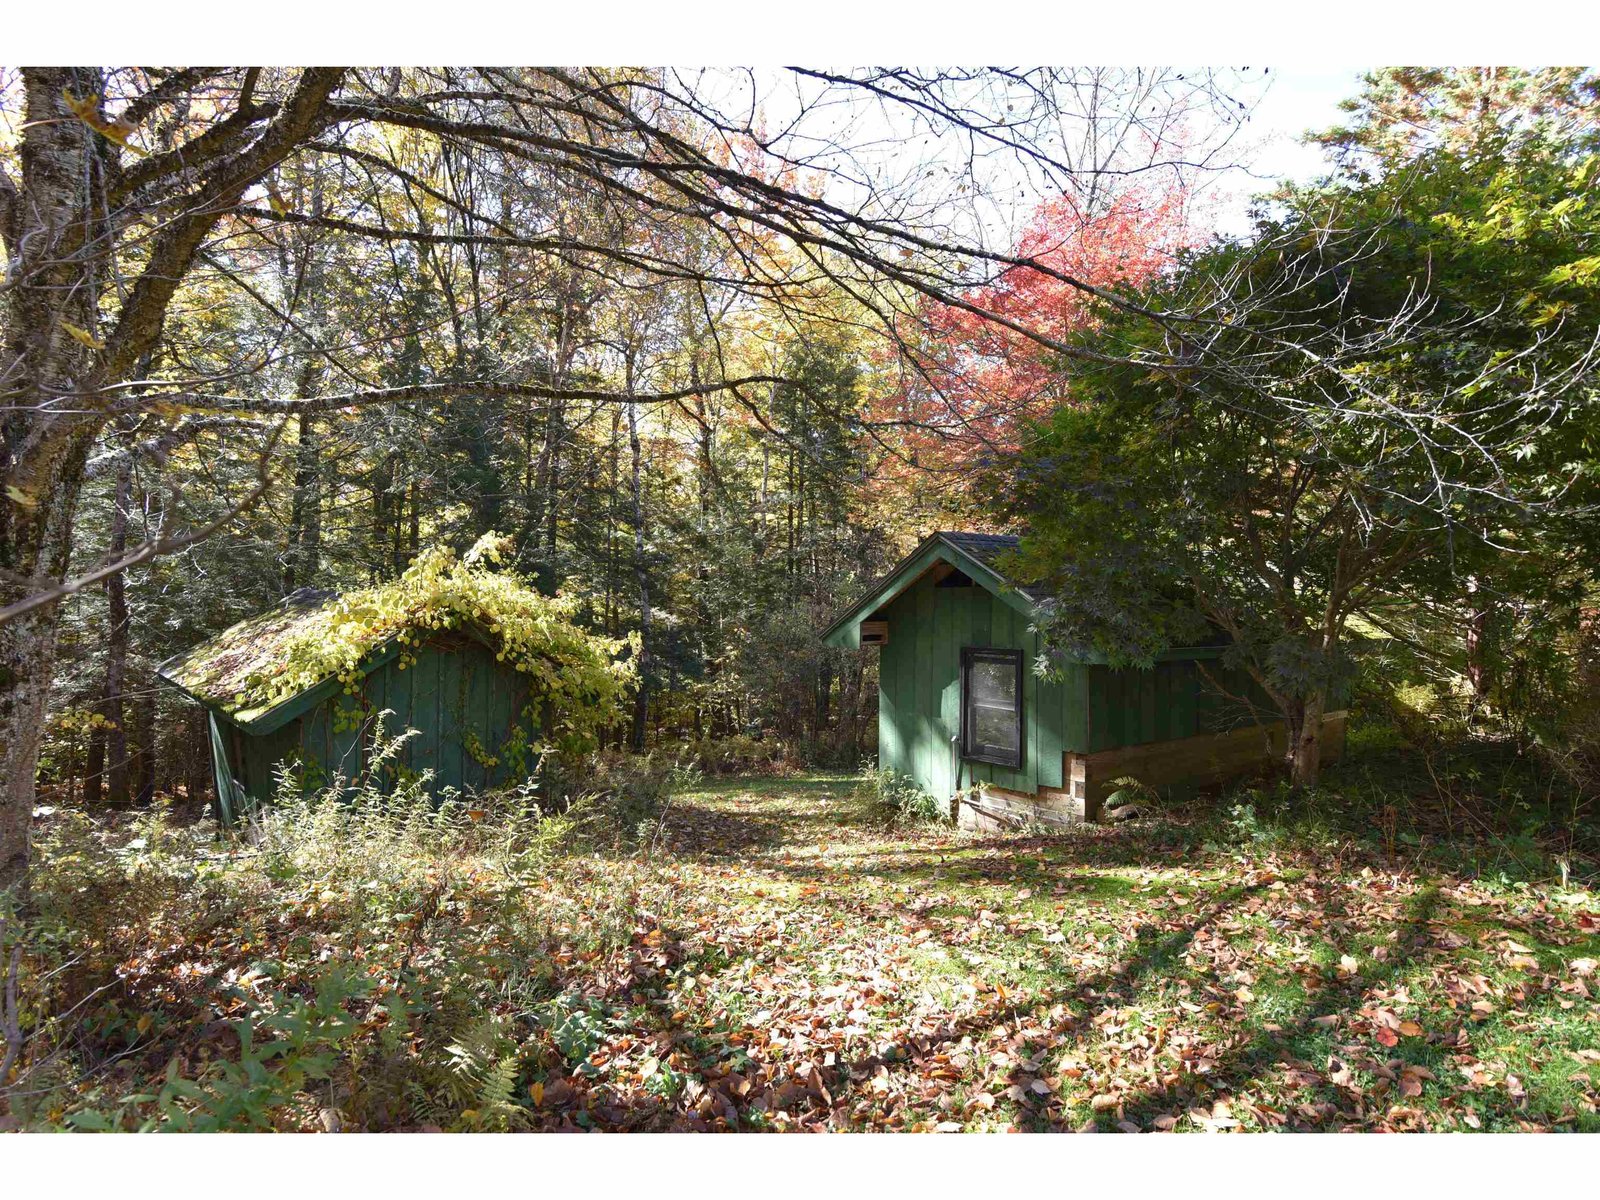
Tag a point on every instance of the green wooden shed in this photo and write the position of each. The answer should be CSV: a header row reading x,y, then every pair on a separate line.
x,y
963,711
468,709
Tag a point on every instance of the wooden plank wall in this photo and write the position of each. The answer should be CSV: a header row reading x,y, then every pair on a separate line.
x,y
1093,708
920,691
455,687
1132,706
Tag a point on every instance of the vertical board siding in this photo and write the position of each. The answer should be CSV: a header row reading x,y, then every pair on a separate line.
x,y
1130,706
919,682
450,705
1075,708
479,713
1089,708
922,711
1050,723
455,688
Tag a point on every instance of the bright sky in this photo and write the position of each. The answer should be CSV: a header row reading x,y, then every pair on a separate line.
x,y
1297,100
876,153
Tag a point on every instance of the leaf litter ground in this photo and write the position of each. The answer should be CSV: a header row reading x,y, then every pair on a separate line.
x,y
781,960
823,972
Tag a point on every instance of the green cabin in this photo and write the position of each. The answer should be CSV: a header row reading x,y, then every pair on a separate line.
x,y
468,709
963,713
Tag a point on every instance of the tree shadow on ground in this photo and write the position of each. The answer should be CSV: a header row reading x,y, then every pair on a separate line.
x,y
1253,1055
1159,950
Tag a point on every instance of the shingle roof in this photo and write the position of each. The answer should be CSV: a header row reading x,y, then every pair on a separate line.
x,y
989,548
981,552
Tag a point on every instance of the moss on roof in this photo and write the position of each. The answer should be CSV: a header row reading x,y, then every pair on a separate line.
x,y
577,681
225,671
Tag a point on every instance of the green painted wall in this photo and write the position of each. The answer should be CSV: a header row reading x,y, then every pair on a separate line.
x,y
919,691
1130,706
1091,708
455,692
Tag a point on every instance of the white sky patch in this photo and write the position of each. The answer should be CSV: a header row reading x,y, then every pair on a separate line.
x,y
1296,101
889,161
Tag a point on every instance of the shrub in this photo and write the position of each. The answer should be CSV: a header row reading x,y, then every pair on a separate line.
x,y
612,799
356,957
742,755
898,799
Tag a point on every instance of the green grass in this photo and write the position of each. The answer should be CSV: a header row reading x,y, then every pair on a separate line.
x,y
1173,979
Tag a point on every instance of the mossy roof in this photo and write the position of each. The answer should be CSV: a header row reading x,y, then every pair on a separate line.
x,y
218,673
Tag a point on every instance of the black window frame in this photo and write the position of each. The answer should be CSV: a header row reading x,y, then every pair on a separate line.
x,y
970,655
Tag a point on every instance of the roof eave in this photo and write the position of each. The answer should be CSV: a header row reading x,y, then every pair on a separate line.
x,y
267,720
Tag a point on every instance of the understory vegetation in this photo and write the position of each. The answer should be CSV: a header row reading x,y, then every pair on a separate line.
x,y
1402,949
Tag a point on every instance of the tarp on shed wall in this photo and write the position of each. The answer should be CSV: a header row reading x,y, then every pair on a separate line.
x,y
231,798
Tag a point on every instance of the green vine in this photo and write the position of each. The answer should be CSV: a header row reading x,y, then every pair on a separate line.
x,y
515,752
346,719
480,753
578,681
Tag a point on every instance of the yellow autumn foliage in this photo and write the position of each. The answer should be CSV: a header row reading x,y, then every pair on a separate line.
x,y
578,680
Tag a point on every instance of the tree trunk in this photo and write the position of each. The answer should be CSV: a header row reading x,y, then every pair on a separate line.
x,y
304,549
823,693
94,768
42,453
1477,630
1305,746
641,704
144,761
197,757
58,348
117,646
414,530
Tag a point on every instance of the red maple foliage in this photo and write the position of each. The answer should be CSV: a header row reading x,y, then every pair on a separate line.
x,y
972,384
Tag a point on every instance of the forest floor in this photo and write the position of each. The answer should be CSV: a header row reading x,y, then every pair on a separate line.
x,y
779,958
851,976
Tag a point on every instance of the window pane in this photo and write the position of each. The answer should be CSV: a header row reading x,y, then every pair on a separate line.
x,y
994,729
994,683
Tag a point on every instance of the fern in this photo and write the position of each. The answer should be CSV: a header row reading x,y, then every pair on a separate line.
x,y
483,1072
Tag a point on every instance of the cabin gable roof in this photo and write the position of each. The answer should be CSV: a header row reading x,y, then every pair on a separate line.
x,y
219,672
975,554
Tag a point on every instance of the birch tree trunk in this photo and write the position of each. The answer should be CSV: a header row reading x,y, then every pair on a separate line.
x,y
59,358
50,233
